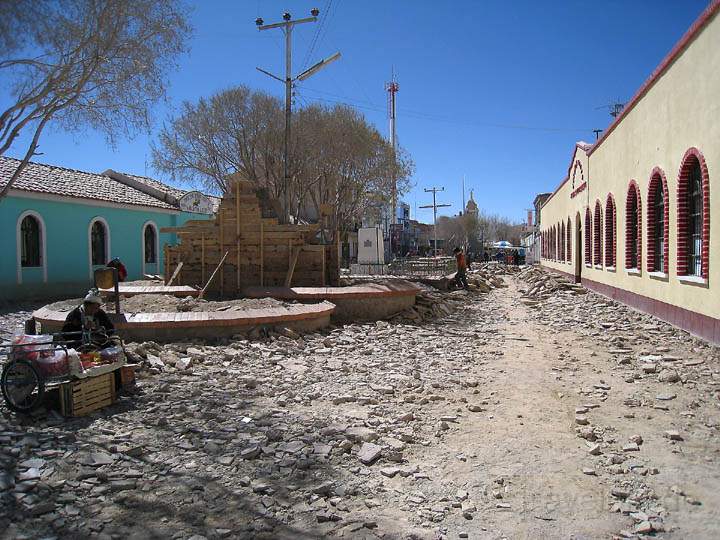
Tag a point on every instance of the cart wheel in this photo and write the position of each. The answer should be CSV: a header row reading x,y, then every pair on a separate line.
x,y
22,386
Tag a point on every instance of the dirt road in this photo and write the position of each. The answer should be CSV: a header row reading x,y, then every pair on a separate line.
x,y
561,420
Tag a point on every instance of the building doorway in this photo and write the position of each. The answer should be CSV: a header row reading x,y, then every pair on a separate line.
x,y
578,248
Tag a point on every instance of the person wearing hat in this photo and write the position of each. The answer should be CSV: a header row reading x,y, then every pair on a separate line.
x,y
88,317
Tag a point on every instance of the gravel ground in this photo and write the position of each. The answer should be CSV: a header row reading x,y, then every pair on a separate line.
x,y
162,303
572,417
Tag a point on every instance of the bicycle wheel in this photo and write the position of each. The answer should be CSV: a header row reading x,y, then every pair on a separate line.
x,y
22,386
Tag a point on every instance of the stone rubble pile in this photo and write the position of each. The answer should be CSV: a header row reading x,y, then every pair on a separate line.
x,y
256,438
661,360
542,285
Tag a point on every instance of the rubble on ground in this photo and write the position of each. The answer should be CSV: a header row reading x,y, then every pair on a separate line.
x,y
409,429
543,285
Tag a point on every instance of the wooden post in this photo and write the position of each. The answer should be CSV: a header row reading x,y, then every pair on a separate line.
x,y
323,264
262,258
202,258
222,247
237,230
166,251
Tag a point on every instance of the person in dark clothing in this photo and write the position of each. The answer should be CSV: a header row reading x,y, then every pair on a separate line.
x,y
121,270
486,257
460,275
88,317
516,257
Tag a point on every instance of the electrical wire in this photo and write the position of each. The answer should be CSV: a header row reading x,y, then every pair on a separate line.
x,y
316,34
417,115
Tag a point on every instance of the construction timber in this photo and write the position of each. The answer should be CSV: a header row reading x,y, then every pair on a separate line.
x,y
260,250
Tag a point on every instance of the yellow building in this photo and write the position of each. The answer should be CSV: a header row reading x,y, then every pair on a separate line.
x,y
637,217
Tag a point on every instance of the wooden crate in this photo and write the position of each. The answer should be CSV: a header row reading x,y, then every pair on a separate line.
x,y
79,398
127,376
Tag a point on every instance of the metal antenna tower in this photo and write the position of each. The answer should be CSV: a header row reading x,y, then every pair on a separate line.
x,y
392,88
287,27
435,206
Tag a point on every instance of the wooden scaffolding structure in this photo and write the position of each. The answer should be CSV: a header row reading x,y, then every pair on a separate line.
x,y
254,250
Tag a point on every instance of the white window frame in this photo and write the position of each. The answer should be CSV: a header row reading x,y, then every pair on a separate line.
x,y
89,239
150,223
18,243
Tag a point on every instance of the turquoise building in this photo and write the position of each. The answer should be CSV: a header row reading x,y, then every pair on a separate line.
x,y
58,225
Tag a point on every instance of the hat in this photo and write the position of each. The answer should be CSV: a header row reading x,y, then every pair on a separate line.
x,y
93,297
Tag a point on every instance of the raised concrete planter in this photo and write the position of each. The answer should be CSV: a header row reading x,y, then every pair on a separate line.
x,y
134,290
366,302
206,325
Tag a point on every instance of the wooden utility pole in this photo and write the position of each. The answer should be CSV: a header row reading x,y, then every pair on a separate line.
x,y
435,206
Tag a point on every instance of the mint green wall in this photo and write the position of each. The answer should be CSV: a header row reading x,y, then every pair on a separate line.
x,y
66,233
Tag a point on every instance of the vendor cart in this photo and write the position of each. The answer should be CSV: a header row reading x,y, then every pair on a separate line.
x,y
33,364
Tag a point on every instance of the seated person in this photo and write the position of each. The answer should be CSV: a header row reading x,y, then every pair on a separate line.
x,y
87,317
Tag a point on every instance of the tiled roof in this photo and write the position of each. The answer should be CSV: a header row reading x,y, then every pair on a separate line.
x,y
50,179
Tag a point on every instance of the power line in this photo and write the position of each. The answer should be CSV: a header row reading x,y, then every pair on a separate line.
x,y
422,116
316,34
435,206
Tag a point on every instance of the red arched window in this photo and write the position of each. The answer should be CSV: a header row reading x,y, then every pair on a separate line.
x,y
610,221
658,223
569,240
588,236
633,227
597,236
693,204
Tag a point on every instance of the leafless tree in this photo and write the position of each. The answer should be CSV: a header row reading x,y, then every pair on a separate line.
x,y
84,63
338,160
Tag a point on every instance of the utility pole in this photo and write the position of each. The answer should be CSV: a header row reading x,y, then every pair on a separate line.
x,y
287,27
435,206
392,88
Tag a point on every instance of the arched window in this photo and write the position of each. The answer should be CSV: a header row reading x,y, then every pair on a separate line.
x,y
610,220
588,236
562,241
597,239
693,216
30,242
150,244
568,240
633,228
99,240
657,223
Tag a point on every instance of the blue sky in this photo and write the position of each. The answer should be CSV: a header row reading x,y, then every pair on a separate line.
x,y
497,91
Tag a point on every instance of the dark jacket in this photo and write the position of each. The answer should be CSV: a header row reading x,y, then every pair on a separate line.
x,y
73,323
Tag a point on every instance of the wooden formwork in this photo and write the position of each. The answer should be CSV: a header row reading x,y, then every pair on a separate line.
x,y
261,251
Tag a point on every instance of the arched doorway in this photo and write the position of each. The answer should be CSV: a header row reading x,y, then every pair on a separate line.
x,y
578,248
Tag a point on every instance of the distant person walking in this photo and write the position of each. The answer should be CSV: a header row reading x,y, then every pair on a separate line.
x,y
461,274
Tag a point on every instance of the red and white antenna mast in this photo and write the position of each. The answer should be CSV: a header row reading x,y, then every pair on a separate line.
x,y
392,88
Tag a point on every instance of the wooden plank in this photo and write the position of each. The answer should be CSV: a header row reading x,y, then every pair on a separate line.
x,y
323,267
237,229
202,291
222,270
291,269
175,274
202,258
